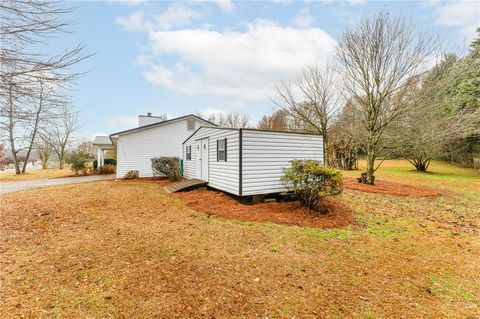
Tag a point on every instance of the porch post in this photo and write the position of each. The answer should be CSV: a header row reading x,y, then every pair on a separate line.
x,y
99,157
103,157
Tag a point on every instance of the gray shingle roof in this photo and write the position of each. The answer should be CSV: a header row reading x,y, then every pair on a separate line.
x,y
101,140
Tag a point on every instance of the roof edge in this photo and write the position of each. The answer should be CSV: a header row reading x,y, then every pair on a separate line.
x,y
214,127
160,123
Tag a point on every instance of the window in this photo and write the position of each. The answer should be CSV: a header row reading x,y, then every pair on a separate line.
x,y
190,124
188,153
222,150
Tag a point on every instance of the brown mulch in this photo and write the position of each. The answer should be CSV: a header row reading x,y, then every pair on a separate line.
x,y
391,188
282,212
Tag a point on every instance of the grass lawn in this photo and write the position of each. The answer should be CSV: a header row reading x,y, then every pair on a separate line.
x,y
35,174
129,250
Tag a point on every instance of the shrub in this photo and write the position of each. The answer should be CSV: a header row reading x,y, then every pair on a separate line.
x,y
131,175
80,161
106,169
107,161
167,166
310,181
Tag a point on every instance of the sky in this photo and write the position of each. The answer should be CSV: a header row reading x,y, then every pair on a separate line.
x,y
177,58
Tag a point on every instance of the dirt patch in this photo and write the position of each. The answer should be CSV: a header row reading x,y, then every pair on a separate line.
x,y
282,212
391,188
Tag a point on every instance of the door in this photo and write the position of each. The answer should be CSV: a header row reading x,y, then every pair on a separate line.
x,y
201,149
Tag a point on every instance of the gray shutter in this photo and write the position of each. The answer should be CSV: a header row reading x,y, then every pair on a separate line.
x,y
217,149
225,149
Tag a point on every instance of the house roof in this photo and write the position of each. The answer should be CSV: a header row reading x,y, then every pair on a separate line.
x,y
101,140
247,129
161,123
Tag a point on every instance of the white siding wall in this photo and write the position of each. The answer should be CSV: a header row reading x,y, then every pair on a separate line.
x,y
266,153
222,175
135,149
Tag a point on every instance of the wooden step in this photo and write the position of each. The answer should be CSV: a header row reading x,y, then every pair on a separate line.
x,y
184,184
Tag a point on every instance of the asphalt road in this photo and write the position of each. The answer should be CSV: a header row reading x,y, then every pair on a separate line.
x,y
10,187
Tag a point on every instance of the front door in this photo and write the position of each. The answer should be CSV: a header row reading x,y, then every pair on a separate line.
x,y
201,149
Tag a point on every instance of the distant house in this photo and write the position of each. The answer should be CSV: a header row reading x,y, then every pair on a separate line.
x,y
246,162
155,136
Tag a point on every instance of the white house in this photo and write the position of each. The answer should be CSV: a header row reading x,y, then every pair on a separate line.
x,y
155,136
246,162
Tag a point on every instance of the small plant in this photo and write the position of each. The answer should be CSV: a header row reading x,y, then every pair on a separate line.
x,y
80,161
131,175
310,181
106,169
168,167
109,161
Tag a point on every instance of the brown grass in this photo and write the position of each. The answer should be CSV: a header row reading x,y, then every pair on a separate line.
x,y
129,250
36,174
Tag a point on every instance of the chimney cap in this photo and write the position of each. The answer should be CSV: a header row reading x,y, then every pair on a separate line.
x,y
149,113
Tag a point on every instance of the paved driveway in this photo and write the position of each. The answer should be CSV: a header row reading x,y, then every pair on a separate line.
x,y
10,187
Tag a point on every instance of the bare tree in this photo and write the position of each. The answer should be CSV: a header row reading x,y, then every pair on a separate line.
x,y
346,136
26,74
13,122
313,100
86,147
232,119
59,132
380,58
277,121
44,149
2,156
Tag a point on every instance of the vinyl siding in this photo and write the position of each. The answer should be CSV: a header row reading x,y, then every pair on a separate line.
x,y
265,154
135,149
221,175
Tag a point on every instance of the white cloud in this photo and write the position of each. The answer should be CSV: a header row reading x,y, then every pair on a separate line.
x,y
176,15
134,22
464,15
133,2
302,20
356,2
233,64
129,2
121,122
226,5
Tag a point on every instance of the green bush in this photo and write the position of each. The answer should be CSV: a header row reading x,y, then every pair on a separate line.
x,y
106,169
107,161
80,162
309,181
167,166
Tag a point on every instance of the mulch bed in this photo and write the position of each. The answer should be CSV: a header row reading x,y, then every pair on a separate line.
x,y
390,188
282,212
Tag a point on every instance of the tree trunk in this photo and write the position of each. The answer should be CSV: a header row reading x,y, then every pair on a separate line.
x,y
371,156
421,165
325,147
61,158
35,128
10,131
44,153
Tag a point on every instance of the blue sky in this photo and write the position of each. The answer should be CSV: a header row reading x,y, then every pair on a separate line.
x,y
179,58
